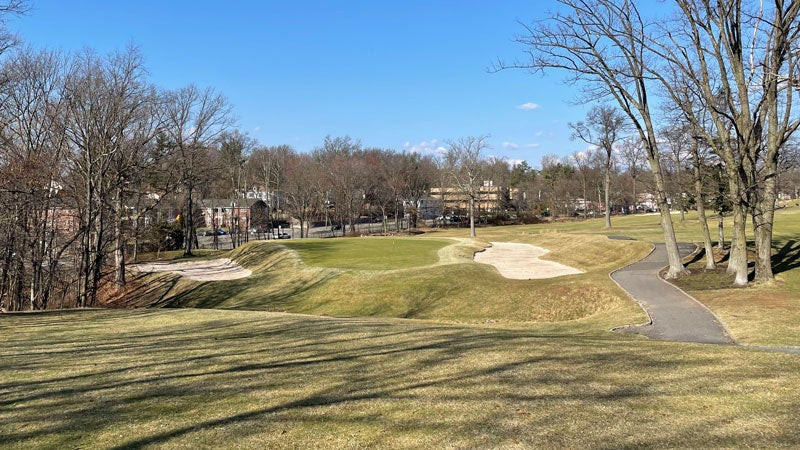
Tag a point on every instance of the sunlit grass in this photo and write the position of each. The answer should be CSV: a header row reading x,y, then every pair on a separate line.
x,y
343,278
368,254
767,315
209,378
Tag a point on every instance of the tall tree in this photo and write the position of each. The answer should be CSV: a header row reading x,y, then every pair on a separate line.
x,y
267,169
738,62
193,119
598,43
465,164
602,128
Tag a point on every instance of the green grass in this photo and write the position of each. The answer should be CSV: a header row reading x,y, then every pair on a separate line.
x,y
762,315
368,254
209,378
399,277
323,277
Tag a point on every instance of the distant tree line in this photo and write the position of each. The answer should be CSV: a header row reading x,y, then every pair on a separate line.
x,y
98,165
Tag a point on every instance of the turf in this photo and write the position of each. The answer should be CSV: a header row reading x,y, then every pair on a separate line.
x,y
394,277
760,315
453,289
202,378
368,254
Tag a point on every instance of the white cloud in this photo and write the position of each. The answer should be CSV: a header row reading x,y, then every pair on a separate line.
x,y
425,147
534,145
510,145
515,162
528,106
539,133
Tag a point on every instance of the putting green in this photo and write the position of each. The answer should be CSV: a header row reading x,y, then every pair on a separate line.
x,y
369,253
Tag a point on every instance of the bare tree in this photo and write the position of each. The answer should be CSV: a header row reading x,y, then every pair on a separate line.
x,y
267,168
32,165
602,128
737,62
598,43
346,174
632,152
235,149
465,165
581,161
684,144
108,120
302,188
193,119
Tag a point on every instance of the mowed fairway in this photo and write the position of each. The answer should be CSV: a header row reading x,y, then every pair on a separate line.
x,y
202,378
368,254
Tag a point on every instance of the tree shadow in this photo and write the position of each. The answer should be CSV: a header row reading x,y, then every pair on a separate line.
x,y
787,257
222,377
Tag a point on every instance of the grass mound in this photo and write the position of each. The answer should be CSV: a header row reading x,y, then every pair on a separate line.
x,y
417,278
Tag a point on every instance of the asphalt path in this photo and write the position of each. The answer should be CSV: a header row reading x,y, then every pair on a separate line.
x,y
674,315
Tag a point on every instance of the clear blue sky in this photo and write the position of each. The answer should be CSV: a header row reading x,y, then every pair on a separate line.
x,y
400,74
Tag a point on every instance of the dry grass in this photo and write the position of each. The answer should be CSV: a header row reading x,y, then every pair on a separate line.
x,y
199,378
453,289
762,315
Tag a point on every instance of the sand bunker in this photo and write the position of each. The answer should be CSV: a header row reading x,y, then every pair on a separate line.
x,y
521,261
203,270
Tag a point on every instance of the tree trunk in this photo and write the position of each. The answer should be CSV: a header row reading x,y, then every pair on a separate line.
x,y
189,225
737,260
701,209
720,231
119,239
607,188
671,244
471,216
763,218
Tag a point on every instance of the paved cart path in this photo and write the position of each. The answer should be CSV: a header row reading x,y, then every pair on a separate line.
x,y
675,315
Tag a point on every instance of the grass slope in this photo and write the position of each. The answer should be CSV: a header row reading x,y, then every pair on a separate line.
x,y
199,378
329,277
764,315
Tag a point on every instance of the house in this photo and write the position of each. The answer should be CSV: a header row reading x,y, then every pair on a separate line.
x,y
646,201
241,213
490,198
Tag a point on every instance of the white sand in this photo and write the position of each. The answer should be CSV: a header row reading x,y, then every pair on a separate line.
x,y
203,270
521,261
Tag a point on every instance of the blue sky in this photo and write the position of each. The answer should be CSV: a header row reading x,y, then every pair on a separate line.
x,y
401,75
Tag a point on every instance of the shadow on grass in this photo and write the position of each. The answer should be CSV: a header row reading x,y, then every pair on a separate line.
x,y
787,257
206,378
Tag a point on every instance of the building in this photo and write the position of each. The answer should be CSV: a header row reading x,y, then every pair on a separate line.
x,y
490,198
241,213
646,202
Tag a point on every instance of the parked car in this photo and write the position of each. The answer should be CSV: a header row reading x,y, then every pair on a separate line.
x,y
283,236
221,232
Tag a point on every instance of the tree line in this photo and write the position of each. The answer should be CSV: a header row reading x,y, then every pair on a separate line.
x,y
727,70
97,164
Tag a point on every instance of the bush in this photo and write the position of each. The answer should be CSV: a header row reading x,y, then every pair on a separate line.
x,y
162,236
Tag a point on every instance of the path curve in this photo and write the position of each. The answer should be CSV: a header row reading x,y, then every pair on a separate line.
x,y
674,314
